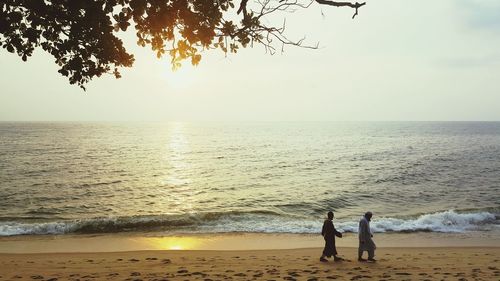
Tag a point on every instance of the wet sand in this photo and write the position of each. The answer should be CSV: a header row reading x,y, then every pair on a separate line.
x,y
450,263
230,241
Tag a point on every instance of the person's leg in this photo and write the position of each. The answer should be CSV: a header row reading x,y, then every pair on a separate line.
x,y
323,258
335,253
360,254
371,254
323,255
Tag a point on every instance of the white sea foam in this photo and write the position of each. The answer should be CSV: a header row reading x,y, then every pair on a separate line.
x,y
16,228
446,222
449,221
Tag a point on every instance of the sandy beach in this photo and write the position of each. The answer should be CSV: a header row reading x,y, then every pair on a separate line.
x,y
296,264
79,258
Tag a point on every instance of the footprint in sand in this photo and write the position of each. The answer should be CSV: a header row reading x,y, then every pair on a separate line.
x,y
273,271
199,273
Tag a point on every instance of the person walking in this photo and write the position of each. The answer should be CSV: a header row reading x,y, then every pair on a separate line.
x,y
329,232
365,238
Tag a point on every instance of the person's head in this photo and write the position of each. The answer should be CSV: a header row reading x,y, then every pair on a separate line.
x,y
368,215
330,215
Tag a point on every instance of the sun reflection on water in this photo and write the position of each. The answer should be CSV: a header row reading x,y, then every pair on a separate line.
x,y
177,175
174,243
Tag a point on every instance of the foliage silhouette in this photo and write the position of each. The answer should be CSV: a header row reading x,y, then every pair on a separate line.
x,y
82,35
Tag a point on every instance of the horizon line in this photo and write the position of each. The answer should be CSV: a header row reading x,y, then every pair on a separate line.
x,y
238,121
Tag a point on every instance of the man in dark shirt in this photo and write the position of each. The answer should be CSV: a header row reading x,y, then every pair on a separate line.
x,y
329,232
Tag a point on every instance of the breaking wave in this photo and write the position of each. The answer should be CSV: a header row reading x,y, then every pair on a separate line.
x,y
447,222
257,221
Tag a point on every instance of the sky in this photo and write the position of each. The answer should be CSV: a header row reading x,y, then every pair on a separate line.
x,y
398,60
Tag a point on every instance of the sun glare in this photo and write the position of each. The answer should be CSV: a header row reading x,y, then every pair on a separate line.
x,y
180,79
174,243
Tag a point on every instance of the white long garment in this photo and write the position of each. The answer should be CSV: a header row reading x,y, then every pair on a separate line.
x,y
365,235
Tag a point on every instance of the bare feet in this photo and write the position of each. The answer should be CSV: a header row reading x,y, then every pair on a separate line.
x,y
361,259
323,259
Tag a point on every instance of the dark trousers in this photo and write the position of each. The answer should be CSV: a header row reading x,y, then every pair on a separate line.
x,y
371,253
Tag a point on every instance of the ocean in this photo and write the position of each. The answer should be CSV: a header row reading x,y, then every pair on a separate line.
x,y
265,177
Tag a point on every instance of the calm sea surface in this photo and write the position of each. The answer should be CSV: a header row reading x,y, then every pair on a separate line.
x,y
249,177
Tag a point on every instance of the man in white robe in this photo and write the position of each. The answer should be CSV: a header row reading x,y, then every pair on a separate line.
x,y
365,238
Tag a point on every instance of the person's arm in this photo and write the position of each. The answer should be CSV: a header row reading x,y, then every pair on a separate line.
x,y
338,234
367,231
362,231
323,230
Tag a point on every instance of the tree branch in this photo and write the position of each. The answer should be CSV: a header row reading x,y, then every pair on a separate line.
x,y
243,7
356,5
